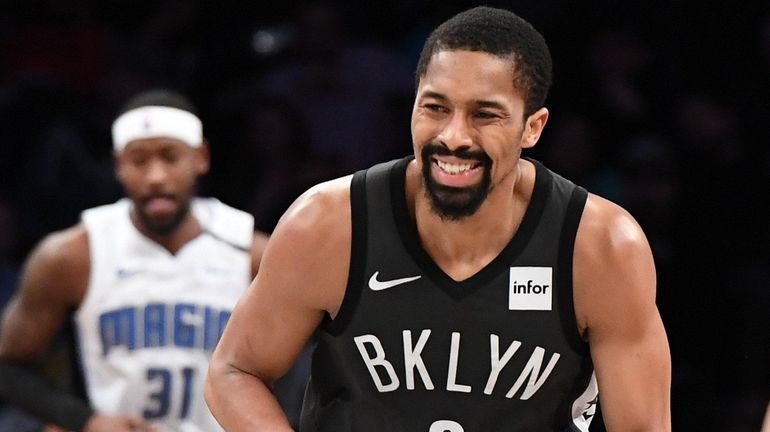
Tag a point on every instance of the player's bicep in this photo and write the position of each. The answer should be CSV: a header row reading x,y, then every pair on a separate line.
x,y
26,331
633,368
634,378
267,330
42,300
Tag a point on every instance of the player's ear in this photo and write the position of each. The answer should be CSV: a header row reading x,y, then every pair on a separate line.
x,y
533,127
203,157
117,163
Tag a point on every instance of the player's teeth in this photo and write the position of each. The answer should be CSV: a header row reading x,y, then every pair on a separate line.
x,y
453,168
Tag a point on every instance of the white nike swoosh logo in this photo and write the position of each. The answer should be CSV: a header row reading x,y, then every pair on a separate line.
x,y
376,285
125,273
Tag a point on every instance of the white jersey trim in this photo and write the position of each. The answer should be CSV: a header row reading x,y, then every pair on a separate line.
x,y
584,407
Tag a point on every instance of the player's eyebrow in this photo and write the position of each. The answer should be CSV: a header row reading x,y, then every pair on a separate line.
x,y
490,104
483,103
433,95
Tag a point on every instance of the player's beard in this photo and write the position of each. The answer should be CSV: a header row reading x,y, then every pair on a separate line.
x,y
162,226
455,203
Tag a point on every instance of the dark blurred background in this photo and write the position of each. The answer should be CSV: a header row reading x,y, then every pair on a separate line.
x,y
661,106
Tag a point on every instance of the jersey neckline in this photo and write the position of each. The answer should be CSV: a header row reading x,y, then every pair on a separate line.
x,y
407,230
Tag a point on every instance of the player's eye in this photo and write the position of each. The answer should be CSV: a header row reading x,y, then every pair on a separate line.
x,y
434,107
485,115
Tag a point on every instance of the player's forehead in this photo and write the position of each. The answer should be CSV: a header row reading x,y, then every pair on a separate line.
x,y
468,75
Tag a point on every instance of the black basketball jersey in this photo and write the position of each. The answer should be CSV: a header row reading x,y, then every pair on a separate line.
x,y
412,350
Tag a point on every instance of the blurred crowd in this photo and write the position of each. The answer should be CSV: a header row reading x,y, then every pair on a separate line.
x,y
663,107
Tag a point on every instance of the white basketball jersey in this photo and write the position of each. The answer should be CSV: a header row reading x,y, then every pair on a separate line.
x,y
150,320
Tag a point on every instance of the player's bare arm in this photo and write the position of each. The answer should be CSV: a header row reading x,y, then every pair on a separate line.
x,y
615,306
53,282
258,245
302,277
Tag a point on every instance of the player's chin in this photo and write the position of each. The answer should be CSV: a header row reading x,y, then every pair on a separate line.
x,y
163,221
162,225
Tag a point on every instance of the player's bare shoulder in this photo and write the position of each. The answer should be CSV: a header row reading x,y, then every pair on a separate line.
x,y
613,262
59,267
311,244
608,232
323,209
56,274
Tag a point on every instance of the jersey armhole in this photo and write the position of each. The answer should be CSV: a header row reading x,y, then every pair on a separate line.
x,y
354,285
566,258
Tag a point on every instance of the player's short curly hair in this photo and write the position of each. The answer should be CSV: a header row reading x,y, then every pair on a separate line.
x,y
159,97
503,34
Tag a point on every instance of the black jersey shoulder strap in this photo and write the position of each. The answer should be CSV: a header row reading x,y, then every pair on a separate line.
x,y
364,182
567,239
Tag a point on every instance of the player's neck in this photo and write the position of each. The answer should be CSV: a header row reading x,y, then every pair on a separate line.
x,y
188,229
462,248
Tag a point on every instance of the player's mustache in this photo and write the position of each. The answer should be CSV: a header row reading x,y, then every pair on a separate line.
x,y
147,198
432,149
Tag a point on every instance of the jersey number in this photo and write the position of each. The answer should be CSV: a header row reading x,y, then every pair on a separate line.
x,y
445,426
160,401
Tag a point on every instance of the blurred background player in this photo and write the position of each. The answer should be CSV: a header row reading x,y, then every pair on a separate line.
x,y
148,283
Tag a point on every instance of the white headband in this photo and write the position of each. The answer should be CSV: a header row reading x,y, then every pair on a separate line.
x,y
156,121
